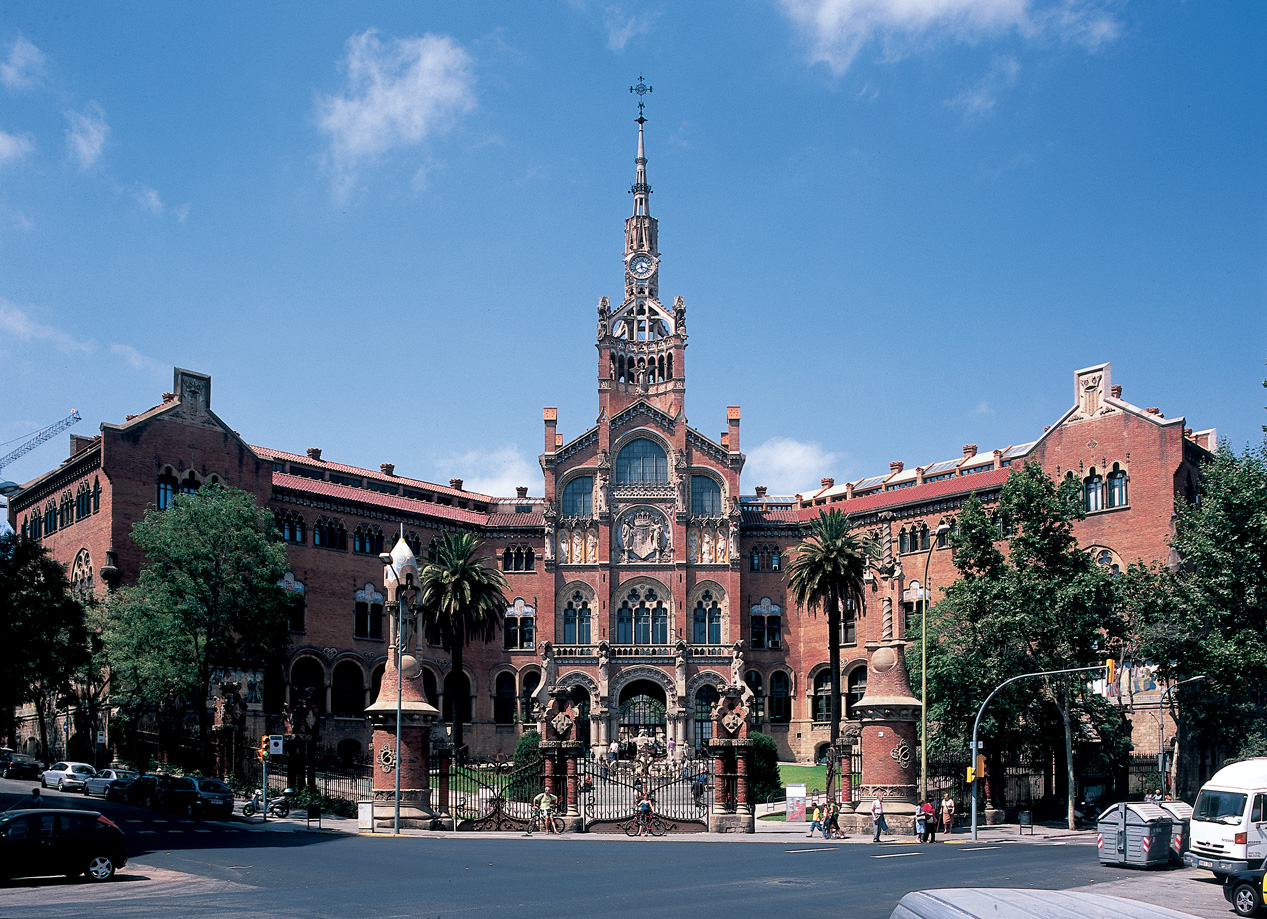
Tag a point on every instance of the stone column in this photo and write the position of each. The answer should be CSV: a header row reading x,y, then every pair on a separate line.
x,y
743,756
889,713
550,750
570,755
445,756
719,780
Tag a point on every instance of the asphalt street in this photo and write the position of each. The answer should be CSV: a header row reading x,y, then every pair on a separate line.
x,y
179,867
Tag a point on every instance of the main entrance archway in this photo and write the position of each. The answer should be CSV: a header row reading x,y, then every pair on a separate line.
x,y
642,710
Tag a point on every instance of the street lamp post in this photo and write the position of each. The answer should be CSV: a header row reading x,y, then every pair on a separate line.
x,y
7,490
399,650
923,667
1161,732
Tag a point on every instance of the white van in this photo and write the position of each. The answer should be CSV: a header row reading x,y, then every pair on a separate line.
x,y
1228,831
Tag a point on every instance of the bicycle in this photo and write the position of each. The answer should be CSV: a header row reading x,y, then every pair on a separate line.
x,y
655,826
538,822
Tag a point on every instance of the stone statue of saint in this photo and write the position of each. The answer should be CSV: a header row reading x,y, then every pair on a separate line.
x,y
679,661
707,556
692,545
604,667
736,664
565,547
591,546
578,547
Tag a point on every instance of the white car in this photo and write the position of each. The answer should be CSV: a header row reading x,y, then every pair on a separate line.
x,y
63,776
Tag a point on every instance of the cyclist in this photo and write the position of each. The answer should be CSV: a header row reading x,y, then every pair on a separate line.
x,y
545,804
646,809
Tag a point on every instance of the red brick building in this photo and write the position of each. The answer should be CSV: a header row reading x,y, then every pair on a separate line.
x,y
642,575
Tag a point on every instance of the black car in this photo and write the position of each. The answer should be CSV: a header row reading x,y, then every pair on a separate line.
x,y
215,799
21,766
175,794
1244,890
60,841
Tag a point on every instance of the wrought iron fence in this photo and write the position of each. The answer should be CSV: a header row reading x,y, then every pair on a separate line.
x,y
683,793
493,796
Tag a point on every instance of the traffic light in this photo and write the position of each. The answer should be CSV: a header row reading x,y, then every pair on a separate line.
x,y
972,775
264,747
1110,672
980,770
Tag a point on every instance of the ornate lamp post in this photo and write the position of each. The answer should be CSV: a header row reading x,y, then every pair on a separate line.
x,y
923,667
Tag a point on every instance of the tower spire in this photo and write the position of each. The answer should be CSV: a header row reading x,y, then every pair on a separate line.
x,y
641,190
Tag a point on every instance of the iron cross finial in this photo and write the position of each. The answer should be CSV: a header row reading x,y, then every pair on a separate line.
x,y
641,89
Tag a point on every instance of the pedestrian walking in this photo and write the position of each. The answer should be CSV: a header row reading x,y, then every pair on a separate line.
x,y
833,820
816,822
877,818
930,821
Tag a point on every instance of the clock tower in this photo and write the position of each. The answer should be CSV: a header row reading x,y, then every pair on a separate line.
x,y
641,344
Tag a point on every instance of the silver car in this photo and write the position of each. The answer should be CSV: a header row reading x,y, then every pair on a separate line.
x,y
109,783
66,776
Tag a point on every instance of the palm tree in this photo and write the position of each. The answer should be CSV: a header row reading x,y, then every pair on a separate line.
x,y
460,599
826,573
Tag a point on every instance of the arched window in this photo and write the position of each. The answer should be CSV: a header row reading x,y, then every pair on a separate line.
x,y
756,559
659,620
348,690
1117,487
780,698
705,698
298,610
822,696
766,625
1093,492
624,624
307,677
519,627
776,559
849,622
531,680
855,689
83,501
706,620
1104,558
642,462
66,510
577,623
705,496
457,692
50,517
753,679
903,542
578,497
367,541
166,490
504,698
368,614
189,484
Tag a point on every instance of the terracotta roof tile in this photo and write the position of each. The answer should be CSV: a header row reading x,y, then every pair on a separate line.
x,y
365,496
271,454
516,520
770,515
916,494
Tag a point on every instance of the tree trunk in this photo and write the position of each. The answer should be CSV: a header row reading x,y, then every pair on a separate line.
x,y
456,655
833,657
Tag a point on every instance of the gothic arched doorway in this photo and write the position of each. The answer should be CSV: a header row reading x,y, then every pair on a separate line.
x,y
642,709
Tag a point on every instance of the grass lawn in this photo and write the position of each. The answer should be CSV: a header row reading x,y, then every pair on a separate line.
x,y
813,777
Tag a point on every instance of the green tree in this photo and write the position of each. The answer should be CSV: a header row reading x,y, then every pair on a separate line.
x,y
43,639
1045,605
1207,615
766,784
826,573
461,599
208,596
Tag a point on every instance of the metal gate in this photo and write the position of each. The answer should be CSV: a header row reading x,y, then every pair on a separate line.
x,y
682,793
494,796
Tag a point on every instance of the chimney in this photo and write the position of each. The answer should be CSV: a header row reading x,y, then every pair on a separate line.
x,y
1154,410
521,492
969,451
826,483
551,418
455,484
79,442
387,468
732,425
169,397
314,453
1115,392
919,474
1187,432
725,440
761,490
998,459
558,441
895,467
849,491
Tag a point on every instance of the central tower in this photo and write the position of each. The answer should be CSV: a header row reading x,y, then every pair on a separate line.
x,y
641,344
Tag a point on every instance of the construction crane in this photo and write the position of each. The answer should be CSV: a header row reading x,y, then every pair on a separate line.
x,y
49,432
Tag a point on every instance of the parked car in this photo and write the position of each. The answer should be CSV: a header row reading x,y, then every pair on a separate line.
x,y
109,783
163,792
215,799
21,766
66,776
1023,903
59,841
1244,890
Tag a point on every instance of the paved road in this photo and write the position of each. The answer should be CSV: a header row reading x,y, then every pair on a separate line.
x,y
190,868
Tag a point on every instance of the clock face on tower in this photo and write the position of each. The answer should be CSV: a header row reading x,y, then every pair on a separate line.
x,y
641,266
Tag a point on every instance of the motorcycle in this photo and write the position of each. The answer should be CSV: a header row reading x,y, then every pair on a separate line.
x,y
277,807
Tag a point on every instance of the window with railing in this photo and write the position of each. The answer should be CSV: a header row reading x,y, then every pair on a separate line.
x,y
519,627
780,698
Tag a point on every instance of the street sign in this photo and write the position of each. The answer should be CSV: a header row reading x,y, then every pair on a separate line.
x,y
101,737
275,744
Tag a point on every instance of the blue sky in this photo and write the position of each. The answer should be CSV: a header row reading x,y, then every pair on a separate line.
x,y
383,229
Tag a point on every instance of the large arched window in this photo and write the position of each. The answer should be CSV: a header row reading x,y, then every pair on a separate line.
x,y
308,677
642,462
780,698
578,497
822,696
706,620
504,698
348,690
705,698
1093,493
753,679
167,486
855,689
577,629
1117,487
457,692
705,497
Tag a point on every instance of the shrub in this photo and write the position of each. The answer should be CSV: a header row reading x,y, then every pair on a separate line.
x,y
765,768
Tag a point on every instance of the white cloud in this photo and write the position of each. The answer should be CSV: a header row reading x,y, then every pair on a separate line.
x,y
398,93
623,24
17,326
136,360
837,30
788,466
983,408
13,147
497,473
86,134
150,199
23,66
980,98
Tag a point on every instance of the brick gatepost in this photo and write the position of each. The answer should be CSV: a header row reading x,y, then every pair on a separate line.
x,y
445,756
561,751
889,713
417,716
730,743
